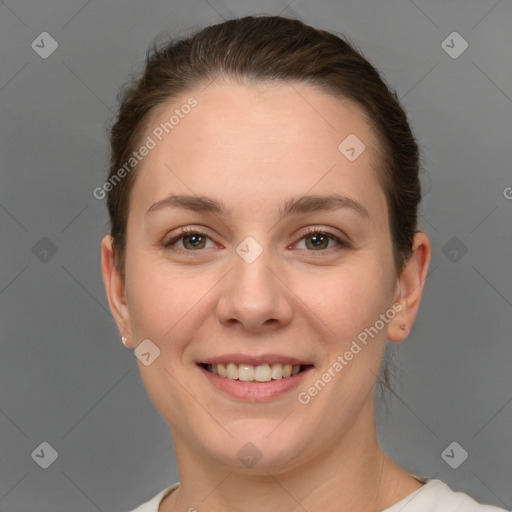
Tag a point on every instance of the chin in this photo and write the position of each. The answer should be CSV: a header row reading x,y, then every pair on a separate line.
x,y
260,452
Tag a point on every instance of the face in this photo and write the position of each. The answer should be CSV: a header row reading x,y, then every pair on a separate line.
x,y
286,260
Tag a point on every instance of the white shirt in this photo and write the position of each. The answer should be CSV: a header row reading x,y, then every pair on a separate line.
x,y
434,496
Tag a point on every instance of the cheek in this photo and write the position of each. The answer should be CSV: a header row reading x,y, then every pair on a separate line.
x,y
161,301
346,301
164,307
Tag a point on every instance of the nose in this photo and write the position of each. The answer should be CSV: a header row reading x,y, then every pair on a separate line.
x,y
254,296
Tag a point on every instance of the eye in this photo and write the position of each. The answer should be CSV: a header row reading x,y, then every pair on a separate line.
x,y
191,238
320,239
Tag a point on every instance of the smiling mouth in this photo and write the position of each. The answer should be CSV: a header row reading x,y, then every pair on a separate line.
x,y
260,373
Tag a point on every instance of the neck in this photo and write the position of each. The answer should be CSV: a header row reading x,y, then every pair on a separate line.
x,y
352,475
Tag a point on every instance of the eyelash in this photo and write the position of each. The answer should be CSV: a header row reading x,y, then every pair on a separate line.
x,y
312,231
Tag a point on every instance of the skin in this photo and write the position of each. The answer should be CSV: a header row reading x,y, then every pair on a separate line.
x,y
252,147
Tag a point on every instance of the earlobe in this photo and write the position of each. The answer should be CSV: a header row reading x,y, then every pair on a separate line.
x,y
410,288
114,288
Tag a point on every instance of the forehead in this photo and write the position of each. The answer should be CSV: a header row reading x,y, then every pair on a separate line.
x,y
231,115
281,138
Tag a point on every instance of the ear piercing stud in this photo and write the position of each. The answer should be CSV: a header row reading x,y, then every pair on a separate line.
x,y
403,327
124,339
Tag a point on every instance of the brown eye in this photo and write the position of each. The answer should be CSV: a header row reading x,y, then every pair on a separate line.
x,y
317,240
191,240
196,241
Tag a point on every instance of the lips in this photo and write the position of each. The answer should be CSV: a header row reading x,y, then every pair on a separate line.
x,y
267,368
255,360
253,390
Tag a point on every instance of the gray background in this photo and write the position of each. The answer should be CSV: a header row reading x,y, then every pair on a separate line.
x,y
65,377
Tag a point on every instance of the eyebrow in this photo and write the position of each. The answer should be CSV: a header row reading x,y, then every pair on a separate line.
x,y
293,206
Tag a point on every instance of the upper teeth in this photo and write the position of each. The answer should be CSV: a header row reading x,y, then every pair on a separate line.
x,y
248,372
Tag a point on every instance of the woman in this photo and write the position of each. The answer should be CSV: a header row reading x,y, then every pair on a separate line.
x,y
263,195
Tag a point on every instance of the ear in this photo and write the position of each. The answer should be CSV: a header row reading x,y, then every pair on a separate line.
x,y
410,288
115,289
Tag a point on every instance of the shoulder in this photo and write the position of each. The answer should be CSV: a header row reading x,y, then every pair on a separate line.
x,y
153,504
436,496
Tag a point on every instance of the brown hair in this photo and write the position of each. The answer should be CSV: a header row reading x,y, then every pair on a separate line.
x,y
264,49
